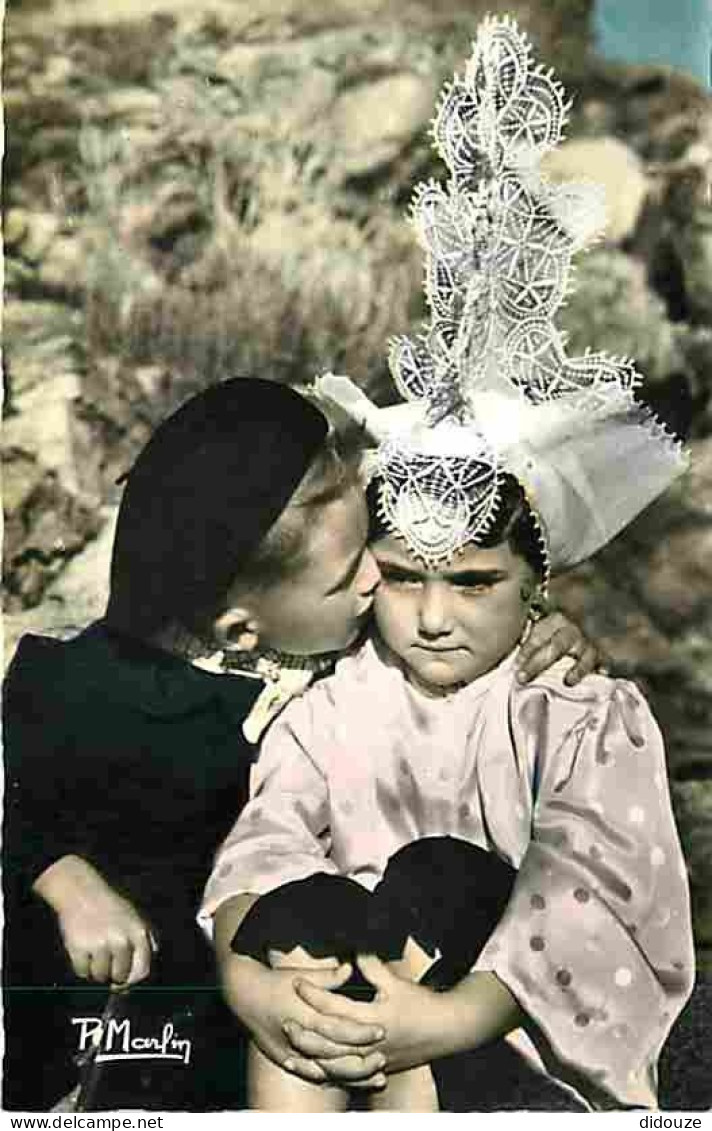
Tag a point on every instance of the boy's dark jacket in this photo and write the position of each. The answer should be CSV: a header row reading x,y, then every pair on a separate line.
x,y
134,760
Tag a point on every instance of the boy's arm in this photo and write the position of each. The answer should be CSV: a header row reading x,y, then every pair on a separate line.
x,y
106,938
42,798
48,807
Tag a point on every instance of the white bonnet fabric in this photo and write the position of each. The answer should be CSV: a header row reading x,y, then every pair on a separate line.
x,y
488,386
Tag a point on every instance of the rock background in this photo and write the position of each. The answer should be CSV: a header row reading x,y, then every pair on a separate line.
x,y
194,190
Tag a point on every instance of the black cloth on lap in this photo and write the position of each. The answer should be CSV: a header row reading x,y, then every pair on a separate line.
x,y
445,893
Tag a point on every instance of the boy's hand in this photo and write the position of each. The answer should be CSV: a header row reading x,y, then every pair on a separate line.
x,y
549,640
106,938
266,1002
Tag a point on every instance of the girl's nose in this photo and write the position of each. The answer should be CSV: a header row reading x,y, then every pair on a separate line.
x,y
434,612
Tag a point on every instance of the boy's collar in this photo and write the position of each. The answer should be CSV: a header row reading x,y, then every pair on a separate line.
x,y
167,683
268,664
285,676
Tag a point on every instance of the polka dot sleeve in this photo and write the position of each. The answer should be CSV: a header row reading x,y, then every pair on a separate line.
x,y
596,942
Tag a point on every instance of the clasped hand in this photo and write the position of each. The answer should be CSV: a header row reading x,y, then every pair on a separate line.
x,y
298,1020
409,1016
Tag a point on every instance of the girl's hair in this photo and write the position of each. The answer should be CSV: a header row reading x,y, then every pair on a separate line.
x,y
514,523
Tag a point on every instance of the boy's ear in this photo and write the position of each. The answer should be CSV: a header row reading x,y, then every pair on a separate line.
x,y
237,630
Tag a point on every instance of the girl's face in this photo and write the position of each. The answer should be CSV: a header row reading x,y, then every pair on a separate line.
x,y
449,626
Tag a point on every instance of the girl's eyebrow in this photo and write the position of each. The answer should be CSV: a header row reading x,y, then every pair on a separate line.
x,y
475,576
472,576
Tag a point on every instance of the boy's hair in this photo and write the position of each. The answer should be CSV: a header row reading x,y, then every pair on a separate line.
x,y
514,523
203,495
284,549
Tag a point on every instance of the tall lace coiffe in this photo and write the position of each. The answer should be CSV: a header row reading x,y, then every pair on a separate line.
x,y
488,386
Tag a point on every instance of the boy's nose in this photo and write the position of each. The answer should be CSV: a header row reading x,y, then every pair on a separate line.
x,y
434,613
369,574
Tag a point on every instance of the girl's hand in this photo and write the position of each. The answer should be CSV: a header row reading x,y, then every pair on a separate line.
x,y
413,1018
266,1002
106,938
421,1024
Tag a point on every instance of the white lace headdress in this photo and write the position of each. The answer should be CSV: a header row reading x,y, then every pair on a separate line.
x,y
488,385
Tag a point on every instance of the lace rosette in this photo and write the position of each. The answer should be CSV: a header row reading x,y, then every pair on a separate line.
x,y
438,505
503,104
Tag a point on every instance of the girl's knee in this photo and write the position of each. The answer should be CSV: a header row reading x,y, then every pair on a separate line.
x,y
410,1091
320,916
299,959
414,962
271,1088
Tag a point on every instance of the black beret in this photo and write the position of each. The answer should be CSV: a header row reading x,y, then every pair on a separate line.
x,y
202,494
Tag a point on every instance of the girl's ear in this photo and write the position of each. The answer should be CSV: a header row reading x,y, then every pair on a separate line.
x,y
236,630
532,593
535,597
530,589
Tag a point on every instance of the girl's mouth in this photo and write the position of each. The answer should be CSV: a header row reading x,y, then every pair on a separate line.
x,y
438,651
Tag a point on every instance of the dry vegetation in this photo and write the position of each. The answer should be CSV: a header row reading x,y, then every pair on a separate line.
x,y
250,268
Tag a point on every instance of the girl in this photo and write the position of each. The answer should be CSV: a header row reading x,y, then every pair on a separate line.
x,y
425,738
496,860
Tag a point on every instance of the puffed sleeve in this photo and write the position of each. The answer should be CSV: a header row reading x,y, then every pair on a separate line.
x,y
596,942
282,833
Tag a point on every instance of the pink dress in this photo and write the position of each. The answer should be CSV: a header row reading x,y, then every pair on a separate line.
x,y
567,784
